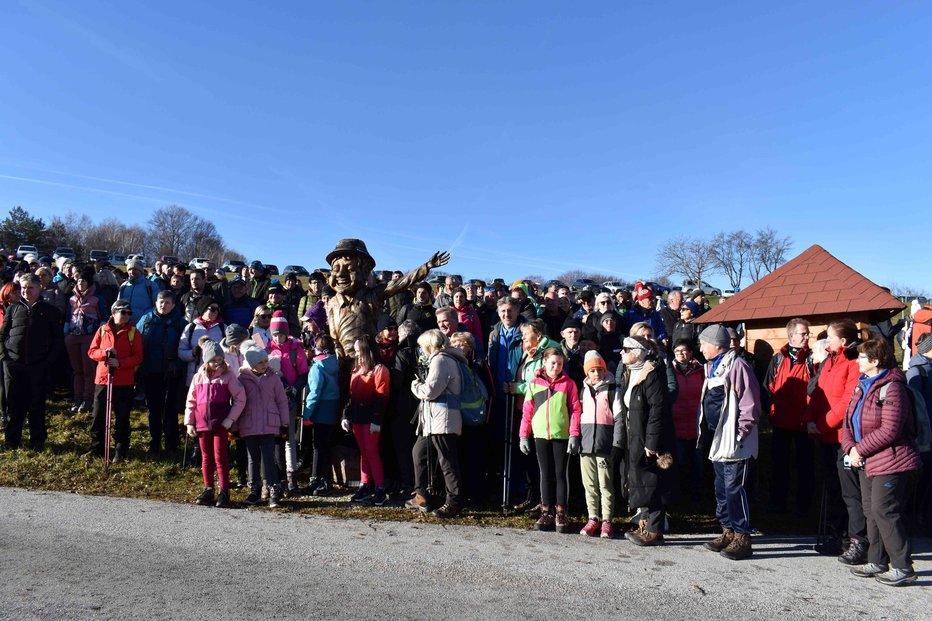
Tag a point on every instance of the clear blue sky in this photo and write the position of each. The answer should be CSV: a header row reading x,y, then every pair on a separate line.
x,y
525,137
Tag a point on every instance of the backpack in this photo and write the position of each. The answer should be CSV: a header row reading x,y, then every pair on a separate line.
x,y
922,324
920,414
473,399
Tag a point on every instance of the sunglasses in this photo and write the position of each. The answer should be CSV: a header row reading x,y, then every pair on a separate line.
x,y
263,316
122,312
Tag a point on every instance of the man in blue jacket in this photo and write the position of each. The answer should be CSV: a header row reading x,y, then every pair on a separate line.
x,y
138,290
162,373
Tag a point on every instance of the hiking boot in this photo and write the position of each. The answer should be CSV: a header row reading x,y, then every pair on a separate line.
x,y
829,547
446,511
312,486
527,505
896,577
293,491
739,548
363,494
325,488
205,498
378,499
608,530
418,502
721,542
643,537
868,571
545,521
856,554
591,529
223,499
560,523
275,497
254,497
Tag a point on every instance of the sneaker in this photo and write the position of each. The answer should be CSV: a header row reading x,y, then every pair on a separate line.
x,y
378,499
868,571
76,406
545,521
896,577
85,407
312,486
591,529
856,554
325,488
363,494
205,498
560,523
275,497
418,502
253,498
223,499
608,531
446,511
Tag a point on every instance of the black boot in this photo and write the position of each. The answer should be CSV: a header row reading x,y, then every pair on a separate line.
x,y
856,554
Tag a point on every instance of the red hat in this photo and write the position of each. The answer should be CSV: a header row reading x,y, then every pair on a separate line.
x,y
642,291
278,323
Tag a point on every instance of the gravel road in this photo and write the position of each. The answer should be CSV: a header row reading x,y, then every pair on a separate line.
x,y
64,556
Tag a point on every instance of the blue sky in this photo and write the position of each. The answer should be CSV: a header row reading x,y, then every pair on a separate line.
x,y
524,137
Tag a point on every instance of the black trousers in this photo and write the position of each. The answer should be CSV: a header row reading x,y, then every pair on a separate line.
x,y
162,402
836,518
121,403
446,449
851,494
26,387
792,459
552,459
473,459
886,501
322,438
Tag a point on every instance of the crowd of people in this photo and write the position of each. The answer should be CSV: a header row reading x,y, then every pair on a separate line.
x,y
478,393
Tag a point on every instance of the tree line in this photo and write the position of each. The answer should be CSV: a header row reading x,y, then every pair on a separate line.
x,y
172,230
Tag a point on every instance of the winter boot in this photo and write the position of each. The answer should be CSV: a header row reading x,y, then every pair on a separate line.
x,y
255,495
643,537
275,496
721,542
205,498
325,488
546,519
739,548
223,499
856,554
446,511
560,522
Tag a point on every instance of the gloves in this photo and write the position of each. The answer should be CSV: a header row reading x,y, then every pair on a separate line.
x,y
525,445
574,446
283,431
192,431
373,428
346,425
227,423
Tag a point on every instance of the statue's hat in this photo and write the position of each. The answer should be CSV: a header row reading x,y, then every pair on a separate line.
x,y
354,247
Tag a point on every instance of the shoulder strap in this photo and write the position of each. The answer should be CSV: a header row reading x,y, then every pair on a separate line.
x,y
293,354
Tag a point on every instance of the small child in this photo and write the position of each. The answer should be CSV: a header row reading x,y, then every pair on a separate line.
x,y
215,400
233,336
264,419
368,396
288,359
601,427
322,413
551,414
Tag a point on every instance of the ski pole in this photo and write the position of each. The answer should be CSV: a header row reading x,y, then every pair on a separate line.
x,y
108,414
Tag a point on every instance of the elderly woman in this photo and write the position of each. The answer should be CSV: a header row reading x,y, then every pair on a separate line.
x,y
878,441
439,424
648,439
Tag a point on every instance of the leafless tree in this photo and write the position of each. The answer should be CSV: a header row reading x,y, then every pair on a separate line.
x,y
689,257
769,252
731,255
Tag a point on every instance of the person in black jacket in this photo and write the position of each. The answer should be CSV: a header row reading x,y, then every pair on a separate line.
x,y
402,405
31,338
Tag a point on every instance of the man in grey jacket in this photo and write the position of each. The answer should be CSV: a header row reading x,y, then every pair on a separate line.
x,y
729,411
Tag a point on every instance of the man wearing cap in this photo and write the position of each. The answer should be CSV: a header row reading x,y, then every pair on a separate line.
x,y
643,310
258,281
421,311
117,348
198,290
138,291
241,308
31,338
162,372
354,311
729,410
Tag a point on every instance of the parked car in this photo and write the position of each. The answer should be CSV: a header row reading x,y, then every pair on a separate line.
x,y
300,270
137,257
271,268
582,283
23,250
613,285
233,265
200,263
117,258
98,255
657,288
690,286
727,293
64,251
167,258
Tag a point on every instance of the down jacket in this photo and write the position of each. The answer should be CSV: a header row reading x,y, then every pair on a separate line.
x,y
685,407
435,417
212,398
368,396
600,423
322,405
887,428
266,408
828,401
127,341
551,409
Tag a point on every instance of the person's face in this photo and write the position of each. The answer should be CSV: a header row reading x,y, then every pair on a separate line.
x,y
121,316
518,294
421,295
345,275
275,298
263,318
550,306
867,365
530,340
608,323
163,306
459,299
447,323
700,300
396,276
134,273
674,300
571,336
686,314
646,302
30,291
449,284
261,368
586,304
279,337
563,293
211,313
595,375
508,314
709,350
197,281
289,284
799,335
45,278
835,342
736,342
553,366
315,286
15,295
215,363
238,290
645,332
176,281
470,292
389,335
82,286
629,356
681,354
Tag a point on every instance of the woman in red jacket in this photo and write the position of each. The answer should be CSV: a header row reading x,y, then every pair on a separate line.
x,y
878,440
689,379
828,401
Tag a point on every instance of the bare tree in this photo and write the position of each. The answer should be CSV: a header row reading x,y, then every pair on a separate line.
x,y
689,257
168,231
769,252
569,276
731,255
901,290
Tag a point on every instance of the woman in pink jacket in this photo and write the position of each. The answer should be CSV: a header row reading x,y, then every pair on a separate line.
x,y
84,317
215,400
264,419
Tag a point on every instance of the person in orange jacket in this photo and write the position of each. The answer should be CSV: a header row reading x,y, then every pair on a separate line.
x,y
117,348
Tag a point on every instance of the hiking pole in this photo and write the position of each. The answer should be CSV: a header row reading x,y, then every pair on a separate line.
x,y
184,453
823,516
506,469
109,411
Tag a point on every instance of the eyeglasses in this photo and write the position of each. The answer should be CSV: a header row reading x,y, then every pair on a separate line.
x,y
805,334
680,352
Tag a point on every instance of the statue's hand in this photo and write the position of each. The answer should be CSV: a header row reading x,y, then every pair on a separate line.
x,y
439,260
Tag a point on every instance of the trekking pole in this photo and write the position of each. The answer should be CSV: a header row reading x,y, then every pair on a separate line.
x,y
184,453
823,516
108,414
506,469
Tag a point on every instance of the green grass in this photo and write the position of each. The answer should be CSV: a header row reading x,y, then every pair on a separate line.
x,y
64,467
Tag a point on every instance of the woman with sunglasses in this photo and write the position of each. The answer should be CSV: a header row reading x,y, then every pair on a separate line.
x,y
260,330
207,322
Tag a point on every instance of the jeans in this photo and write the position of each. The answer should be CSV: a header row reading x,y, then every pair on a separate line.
x,y
261,451
552,459
731,499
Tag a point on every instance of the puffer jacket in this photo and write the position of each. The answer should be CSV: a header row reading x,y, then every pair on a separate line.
x,y
160,337
685,407
530,365
266,408
828,401
127,342
600,422
31,335
368,396
84,313
213,398
293,374
322,404
188,344
435,417
887,428
140,293
551,409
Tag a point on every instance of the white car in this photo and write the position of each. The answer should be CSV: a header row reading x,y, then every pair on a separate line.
x,y
613,285
200,263
727,293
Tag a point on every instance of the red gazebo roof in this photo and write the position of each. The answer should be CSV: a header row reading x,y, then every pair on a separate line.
x,y
814,283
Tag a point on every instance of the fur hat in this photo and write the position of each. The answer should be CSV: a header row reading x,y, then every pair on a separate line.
x,y
210,349
593,360
279,323
253,355
717,335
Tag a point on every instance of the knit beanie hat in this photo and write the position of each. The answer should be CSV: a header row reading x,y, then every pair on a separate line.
x,y
119,305
202,304
593,360
716,334
279,323
571,322
234,335
408,328
210,350
644,292
276,287
255,355
925,345
386,321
